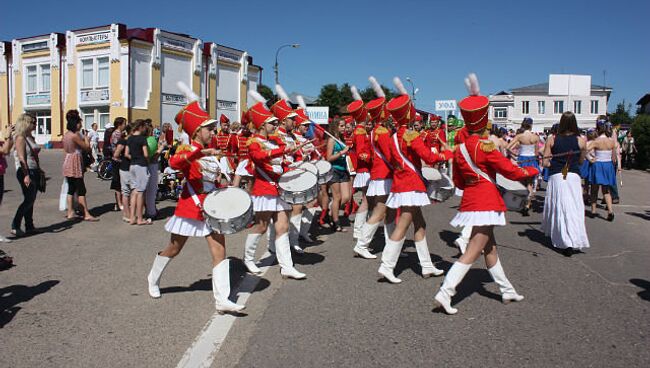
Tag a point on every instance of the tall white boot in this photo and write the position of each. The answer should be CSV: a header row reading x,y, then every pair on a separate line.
x,y
367,233
389,258
159,264
270,237
462,241
428,269
221,288
294,233
283,253
359,220
388,230
508,293
305,224
249,253
448,288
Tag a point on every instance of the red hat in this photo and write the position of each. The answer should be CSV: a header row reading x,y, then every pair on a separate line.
x,y
282,110
302,117
223,119
192,117
375,109
418,117
357,111
259,115
401,109
474,107
434,118
348,119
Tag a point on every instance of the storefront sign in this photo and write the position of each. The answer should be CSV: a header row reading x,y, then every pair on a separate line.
x,y
226,105
35,46
176,44
41,99
318,114
171,99
94,95
93,38
224,55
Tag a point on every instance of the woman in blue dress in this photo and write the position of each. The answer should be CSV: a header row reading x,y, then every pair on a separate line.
x,y
528,152
602,173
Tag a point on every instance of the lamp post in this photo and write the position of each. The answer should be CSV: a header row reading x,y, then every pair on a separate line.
x,y
277,52
414,90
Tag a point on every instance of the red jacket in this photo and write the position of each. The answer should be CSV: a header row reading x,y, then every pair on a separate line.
x,y
186,159
267,156
362,149
349,142
380,143
432,138
412,147
478,193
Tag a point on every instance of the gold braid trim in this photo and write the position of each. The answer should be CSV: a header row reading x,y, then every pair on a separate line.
x,y
487,146
410,136
360,131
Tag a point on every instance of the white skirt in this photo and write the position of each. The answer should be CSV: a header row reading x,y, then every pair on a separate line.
x,y
379,187
458,192
361,180
241,168
269,203
564,212
408,199
187,227
478,218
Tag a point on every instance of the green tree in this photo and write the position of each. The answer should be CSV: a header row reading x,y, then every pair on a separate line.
x,y
267,93
622,114
641,134
330,96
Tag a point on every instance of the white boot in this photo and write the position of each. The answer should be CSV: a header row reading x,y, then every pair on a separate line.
x,y
283,253
365,238
221,288
305,224
159,264
508,293
462,241
389,258
388,230
428,269
294,233
249,253
448,288
359,220
270,237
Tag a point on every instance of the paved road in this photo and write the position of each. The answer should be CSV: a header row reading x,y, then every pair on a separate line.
x,y
77,297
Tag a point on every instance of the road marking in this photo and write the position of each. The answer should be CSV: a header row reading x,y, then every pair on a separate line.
x,y
205,347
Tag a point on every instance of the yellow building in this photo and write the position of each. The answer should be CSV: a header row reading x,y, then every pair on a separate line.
x,y
5,72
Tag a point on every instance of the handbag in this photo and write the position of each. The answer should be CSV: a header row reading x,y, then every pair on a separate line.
x,y
42,183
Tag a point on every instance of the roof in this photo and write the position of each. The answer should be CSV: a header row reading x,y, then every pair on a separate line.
x,y
543,87
644,100
308,99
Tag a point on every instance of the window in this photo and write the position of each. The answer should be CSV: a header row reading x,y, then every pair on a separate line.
x,y
594,107
577,107
32,79
99,115
500,112
102,72
87,73
558,107
89,119
103,120
45,78
541,107
525,107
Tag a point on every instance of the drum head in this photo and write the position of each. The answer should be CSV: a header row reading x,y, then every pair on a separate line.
x,y
431,174
323,167
308,166
227,203
297,181
510,185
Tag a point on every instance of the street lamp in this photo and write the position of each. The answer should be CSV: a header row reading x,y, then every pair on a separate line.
x,y
414,90
275,68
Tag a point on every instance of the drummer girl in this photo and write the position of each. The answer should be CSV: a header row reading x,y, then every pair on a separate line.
x,y
340,184
476,163
408,192
200,167
268,156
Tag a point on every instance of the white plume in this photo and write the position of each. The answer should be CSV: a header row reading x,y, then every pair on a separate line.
x,y
187,92
355,93
281,93
471,82
256,96
376,86
301,101
400,86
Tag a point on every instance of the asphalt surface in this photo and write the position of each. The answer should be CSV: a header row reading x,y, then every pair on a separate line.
x,y
77,296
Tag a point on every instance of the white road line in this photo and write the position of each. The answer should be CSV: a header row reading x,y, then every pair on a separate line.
x,y
206,346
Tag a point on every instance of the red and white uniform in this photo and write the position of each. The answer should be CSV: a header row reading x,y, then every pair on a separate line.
x,y
226,142
363,152
244,168
351,157
268,157
381,172
306,152
408,151
481,203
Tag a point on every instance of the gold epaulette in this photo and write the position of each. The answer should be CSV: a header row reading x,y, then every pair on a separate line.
x,y
487,146
251,140
410,136
360,131
380,131
184,148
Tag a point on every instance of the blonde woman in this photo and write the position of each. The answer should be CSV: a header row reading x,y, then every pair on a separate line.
x,y
27,173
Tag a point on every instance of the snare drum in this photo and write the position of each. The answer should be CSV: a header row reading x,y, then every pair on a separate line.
x,y
325,171
298,186
307,166
228,210
439,187
515,194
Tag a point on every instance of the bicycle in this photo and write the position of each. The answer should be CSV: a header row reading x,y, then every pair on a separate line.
x,y
105,169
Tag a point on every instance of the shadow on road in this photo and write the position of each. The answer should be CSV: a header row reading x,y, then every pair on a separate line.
x,y
645,285
449,237
102,210
539,237
475,281
11,296
645,216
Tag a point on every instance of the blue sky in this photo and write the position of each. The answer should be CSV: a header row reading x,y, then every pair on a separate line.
x,y
507,43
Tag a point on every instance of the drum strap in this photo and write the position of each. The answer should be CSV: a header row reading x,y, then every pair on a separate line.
x,y
381,156
265,176
195,198
407,162
472,165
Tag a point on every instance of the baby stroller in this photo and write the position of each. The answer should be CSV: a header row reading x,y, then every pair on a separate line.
x,y
169,186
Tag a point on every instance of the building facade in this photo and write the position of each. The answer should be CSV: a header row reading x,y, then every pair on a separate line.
x,y
112,71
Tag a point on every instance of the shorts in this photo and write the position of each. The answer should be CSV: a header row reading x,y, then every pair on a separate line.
x,y
76,186
125,182
340,176
139,177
